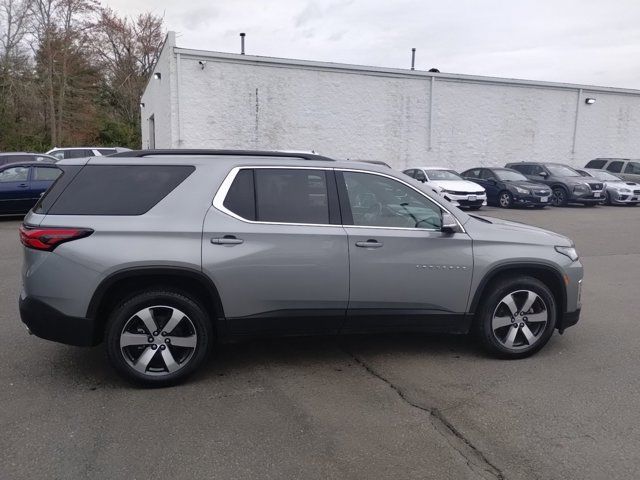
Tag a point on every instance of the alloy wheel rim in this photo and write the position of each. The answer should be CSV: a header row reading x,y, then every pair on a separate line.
x,y
519,320
158,340
558,196
504,200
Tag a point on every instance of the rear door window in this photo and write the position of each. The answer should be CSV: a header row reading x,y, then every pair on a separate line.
x,y
596,164
524,169
14,174
291,195
114,189
44,174
615,167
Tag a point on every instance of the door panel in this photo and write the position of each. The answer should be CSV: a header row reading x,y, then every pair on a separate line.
x,y
274,273
401,278
15,190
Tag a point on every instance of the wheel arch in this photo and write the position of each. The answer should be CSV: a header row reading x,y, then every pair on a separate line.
x,y
547,274
126,283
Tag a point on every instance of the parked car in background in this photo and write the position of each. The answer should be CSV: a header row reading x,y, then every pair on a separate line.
x,y
507,188
83,152
449,184
567,185
617,190
22,184
276,243
625,168
16,157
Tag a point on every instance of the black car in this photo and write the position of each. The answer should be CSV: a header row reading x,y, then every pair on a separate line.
x,y
22,184
567,185
507,188
15,157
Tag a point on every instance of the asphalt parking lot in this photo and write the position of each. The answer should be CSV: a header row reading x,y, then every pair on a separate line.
x,y
401,407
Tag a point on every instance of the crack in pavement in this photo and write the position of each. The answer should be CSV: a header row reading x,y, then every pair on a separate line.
x,y
474,458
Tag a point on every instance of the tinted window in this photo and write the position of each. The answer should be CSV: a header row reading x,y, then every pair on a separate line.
x,y
241,198
117,190
524,169
77,153
291,196
487,174
419,175
107,151
633,168
45,174
4,159
595,164
378,201
411,173
475,173
562,171
615,167
14,174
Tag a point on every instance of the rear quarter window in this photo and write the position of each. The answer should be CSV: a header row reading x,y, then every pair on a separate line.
x,y
596,164
112,189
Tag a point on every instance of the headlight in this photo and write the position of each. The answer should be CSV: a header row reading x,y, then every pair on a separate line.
x,y
523,191
569,252
581,187
624,190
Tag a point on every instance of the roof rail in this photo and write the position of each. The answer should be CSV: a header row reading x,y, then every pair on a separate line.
x,y
242,153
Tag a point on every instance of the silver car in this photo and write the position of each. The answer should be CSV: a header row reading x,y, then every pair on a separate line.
x,y
159,253
617,190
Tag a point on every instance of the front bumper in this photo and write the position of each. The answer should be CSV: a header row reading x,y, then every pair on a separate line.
x,y
466,200
591,197
568,319
529,200
46,322
624,198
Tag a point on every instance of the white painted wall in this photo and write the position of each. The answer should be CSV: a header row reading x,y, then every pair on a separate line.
x,y
384,114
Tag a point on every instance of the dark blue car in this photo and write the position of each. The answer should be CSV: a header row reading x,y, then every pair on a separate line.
x,y
22,184
507,188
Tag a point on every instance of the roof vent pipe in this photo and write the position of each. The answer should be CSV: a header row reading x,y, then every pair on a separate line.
x,y
242,43
413,59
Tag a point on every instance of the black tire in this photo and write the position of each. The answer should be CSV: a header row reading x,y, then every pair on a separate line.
x,y
505,199
195,321
560,196
493,303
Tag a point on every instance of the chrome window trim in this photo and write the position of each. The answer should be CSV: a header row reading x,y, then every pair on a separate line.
x,y
223,190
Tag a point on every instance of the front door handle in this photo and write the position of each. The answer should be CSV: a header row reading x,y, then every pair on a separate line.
x,y
371,243
227,240
23,185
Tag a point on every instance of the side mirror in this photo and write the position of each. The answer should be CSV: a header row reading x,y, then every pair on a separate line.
x,y
492,181
449,223
543,174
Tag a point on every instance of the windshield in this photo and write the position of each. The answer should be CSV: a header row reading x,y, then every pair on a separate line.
x,y
562,171
601,175
510,175
442,175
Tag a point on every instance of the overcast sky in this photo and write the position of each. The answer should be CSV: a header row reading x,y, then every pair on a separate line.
x,y
578,41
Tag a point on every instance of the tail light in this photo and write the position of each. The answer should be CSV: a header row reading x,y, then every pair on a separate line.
x,y
48,238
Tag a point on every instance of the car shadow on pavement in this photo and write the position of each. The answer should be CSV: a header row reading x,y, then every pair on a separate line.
x,y
88,368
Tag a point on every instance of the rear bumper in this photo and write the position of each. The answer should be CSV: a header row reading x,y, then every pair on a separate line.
x,y
51,324
568,319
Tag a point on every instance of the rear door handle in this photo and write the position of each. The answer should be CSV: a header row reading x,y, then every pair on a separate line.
x,y
227,240
371,243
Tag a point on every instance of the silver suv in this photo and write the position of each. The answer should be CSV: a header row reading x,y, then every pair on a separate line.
x,y
159,253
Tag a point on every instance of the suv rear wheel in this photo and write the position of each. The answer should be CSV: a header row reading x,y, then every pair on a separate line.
x,y
158,337
517,318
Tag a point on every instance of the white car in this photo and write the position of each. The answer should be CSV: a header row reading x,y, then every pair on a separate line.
x,y
455,189
617,190
82,152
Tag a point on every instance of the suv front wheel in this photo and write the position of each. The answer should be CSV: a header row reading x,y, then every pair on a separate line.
x,y
158,337
517,318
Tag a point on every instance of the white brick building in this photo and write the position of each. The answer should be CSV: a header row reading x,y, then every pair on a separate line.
x,y
219,100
